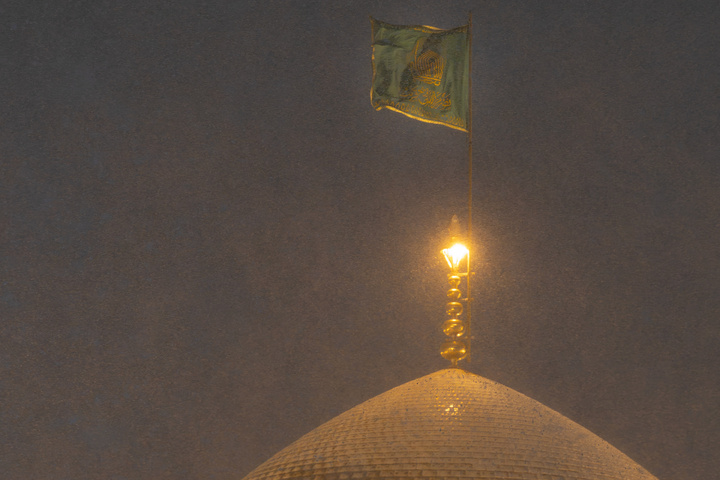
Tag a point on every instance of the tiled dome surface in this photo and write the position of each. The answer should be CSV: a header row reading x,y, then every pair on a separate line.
x,y
450,425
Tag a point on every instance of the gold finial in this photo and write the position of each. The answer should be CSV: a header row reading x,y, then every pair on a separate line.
x,y
453,348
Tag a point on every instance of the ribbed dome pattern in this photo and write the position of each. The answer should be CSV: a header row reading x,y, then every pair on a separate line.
x,y
450,425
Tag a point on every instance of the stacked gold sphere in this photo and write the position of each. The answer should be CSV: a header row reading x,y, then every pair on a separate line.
x,y
454,349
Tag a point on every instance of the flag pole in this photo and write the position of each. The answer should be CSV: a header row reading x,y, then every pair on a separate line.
x,y
470,238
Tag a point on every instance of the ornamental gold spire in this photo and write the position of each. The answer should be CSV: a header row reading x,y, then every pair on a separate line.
x,y
458,259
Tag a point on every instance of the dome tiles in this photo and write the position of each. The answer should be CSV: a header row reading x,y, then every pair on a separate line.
x,y
450,424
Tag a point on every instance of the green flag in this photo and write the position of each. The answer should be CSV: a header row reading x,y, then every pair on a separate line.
x,y
422,72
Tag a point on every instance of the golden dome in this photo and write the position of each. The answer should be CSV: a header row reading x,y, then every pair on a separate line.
x,y
450,425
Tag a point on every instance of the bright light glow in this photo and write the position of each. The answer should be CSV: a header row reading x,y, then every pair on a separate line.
x,y
455,254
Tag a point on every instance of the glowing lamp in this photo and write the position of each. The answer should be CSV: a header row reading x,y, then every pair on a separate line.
x,y
454,255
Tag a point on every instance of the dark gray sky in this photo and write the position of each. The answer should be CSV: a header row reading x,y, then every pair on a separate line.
x,y
210,242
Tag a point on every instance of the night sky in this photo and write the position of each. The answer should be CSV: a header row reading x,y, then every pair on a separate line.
x,y
211,243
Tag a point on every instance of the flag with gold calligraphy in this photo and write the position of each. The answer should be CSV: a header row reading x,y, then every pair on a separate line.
x,y
421,72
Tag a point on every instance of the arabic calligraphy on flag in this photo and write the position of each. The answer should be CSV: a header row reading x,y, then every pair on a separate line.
x,y
421,72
